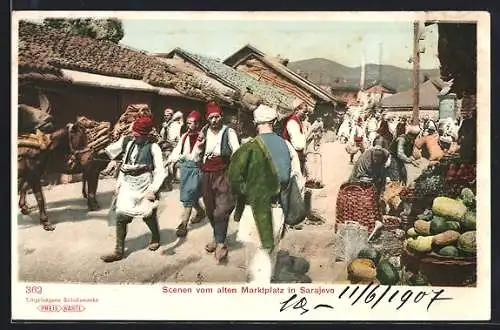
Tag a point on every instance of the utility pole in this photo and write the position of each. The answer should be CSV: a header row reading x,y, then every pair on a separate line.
x,y
416,73
418,34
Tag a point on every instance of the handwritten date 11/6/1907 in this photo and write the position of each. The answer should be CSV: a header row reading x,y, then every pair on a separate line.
x,y
372,297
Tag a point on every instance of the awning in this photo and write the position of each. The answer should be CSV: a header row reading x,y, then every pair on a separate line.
x,y
97,80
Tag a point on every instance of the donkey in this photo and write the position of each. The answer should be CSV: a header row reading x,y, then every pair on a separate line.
x,y
66,153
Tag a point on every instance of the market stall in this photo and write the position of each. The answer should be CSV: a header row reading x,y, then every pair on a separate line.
x,y
432,241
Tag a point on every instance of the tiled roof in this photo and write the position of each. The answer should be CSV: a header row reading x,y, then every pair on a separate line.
x,y
283,70
46,50
428,97
269,93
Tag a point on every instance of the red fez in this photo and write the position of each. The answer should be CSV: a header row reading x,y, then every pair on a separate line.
x,y
143,125
213,107
194,115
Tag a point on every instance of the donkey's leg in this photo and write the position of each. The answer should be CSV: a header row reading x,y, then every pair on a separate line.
x,y
92,175
84,186
40,199
22,197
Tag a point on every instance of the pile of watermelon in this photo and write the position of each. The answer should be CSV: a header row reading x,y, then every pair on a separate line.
x,y
371,267
446,230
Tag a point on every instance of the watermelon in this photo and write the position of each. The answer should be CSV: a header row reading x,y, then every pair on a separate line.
x,y
469,221
369,253
467,242
453,225
467,195
387,274
438,225
449,251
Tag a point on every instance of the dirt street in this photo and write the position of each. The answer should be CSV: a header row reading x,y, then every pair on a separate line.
x,y
71,252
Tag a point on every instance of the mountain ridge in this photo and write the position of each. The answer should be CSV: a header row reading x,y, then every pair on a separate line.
x,y
323,71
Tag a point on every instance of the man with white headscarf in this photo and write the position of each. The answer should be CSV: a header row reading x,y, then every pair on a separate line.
x,y
260,173
170,134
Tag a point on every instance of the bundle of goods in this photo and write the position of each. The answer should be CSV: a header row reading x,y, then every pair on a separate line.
x,y
371,267
98,133
391,194
124,124
357,201
39,140
441,245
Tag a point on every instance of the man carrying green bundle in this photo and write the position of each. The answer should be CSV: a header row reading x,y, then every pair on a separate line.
x,y
260,172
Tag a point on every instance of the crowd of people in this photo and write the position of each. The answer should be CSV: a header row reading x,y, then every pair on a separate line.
x,y
261,180
392,147
255,178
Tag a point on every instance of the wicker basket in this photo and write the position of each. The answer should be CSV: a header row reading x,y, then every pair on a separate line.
x,y
357,201
440,270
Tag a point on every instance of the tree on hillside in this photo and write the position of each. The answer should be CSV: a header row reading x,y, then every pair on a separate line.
x,y
104,29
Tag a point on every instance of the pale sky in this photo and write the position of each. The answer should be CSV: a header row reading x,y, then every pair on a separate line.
x,y
340,41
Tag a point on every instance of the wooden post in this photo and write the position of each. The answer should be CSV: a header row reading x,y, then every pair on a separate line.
x,y
416,73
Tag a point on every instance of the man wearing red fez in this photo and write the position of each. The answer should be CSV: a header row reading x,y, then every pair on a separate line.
x,y
140,177
216,145
186,155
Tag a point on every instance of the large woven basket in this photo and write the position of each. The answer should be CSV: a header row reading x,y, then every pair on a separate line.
x,y
440,270
358,201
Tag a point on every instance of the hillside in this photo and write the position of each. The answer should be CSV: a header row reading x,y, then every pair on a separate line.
x,y
327,72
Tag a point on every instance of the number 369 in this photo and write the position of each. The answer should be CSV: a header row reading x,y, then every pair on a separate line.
x,y
34,289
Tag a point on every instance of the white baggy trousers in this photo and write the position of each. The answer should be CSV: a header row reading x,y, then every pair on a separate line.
x,y
259,262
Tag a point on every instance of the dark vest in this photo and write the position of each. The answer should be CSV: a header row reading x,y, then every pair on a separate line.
x,y
144,154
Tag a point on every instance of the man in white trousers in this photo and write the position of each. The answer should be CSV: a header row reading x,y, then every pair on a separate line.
x,y
258,173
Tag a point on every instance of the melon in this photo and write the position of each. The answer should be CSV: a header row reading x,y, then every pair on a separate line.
x,y
449,251
387,274
467,242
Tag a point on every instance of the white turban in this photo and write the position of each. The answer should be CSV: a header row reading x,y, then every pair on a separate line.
x,y
296,103
264,114
168,111
178,115
413,129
